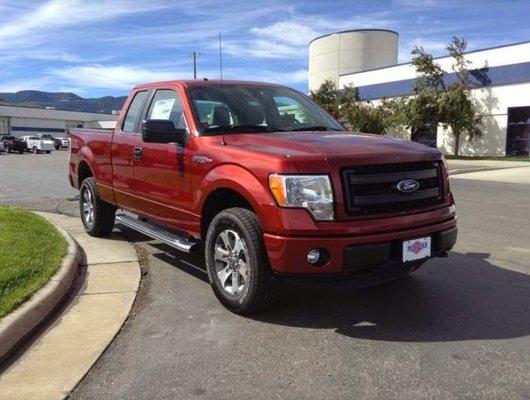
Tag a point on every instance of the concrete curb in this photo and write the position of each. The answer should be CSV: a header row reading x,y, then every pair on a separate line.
x,y
19,324
62,354
479,169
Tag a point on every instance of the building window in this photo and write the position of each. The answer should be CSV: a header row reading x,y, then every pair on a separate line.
x,y
426,135
517,143
74,124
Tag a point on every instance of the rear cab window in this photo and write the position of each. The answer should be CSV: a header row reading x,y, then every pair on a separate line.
x,y
134,113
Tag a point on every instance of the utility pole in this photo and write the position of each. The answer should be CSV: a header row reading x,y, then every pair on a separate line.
x,y
220,57
195,55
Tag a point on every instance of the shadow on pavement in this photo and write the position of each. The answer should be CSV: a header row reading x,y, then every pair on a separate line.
x,y
462,297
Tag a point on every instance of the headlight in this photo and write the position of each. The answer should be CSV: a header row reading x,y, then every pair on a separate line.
x,y
312,192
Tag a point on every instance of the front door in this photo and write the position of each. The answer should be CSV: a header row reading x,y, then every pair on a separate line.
x,y
161,177
124,143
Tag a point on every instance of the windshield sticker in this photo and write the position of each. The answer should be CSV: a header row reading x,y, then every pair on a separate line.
x,y
162,109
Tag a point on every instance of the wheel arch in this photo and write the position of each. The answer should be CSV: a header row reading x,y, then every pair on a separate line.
x,y
83,171
218,200
232,186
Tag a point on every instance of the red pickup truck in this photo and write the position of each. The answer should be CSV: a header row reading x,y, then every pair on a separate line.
x,y
268,183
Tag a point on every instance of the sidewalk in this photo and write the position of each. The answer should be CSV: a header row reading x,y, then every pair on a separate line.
x,y
63,353
466,166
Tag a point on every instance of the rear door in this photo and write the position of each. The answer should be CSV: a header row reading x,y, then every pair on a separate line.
x,y
123,151
162,180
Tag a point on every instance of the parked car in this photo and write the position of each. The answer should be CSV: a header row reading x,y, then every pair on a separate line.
x,y
64,142
56,141
268,182
12,143
38,144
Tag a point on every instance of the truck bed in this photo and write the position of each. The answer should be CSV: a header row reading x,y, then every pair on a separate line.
x,y
95,146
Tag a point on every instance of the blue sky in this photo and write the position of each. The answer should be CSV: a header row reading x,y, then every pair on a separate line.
x,y
95,48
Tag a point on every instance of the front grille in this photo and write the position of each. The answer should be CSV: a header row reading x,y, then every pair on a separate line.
x,y
371,189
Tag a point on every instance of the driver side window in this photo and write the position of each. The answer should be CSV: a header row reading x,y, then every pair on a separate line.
x,y
167,105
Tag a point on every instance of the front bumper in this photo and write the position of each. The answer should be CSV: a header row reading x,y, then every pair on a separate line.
x,y
355,255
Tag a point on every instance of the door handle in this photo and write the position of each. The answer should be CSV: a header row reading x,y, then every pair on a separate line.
x,y
137,153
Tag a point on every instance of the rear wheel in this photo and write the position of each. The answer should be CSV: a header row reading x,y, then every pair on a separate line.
x,y
237,262
35,150
97,215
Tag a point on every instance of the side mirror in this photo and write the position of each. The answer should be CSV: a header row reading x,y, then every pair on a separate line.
x,y
162,131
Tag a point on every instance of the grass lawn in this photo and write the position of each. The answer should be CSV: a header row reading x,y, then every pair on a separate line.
x,y
31,250
509,158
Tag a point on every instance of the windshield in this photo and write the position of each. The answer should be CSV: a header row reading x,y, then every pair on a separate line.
x,y
231,109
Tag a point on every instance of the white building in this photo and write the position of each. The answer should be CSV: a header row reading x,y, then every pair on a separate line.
x,y
350,51
501,77
23,120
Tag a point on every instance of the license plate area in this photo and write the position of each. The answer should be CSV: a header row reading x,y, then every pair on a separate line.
x,y
416,249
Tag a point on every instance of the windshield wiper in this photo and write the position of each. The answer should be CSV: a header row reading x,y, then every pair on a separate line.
x,y
314,128
243,128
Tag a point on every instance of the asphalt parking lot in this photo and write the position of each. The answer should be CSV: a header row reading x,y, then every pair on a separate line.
x,y
456,329
37,181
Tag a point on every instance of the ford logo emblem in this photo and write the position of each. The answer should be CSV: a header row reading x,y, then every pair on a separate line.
x,y
408,186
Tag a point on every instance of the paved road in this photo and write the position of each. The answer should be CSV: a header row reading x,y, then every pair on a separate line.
x,y
37,181
458,328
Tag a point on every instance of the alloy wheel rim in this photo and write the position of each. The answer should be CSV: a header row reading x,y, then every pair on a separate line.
x,y
231,262
88,207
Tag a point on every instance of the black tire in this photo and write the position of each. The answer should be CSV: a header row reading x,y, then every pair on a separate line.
x,y
262,286
21,151
48,151
102,221
35,150
8,149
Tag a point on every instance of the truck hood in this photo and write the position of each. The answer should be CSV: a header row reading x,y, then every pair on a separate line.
x,y
337,148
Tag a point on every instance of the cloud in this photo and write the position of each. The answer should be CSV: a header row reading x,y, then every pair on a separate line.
x,y
120,77
436,47
261,48
267,75
124,77
17,85
55,14
290,38
293,33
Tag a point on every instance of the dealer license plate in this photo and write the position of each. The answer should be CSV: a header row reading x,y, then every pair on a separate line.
x,y
416,249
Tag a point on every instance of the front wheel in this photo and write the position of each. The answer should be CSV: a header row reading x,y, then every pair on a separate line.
x,y
35,150
97,215
237,262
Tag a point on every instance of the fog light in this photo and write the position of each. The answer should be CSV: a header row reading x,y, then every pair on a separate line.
x,y
313,256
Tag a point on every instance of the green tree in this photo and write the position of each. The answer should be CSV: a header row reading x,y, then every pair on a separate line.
x,y
344,104
457,110
331,99
436,102
370,118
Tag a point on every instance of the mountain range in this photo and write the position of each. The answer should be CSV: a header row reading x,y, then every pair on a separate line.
x,y
63,101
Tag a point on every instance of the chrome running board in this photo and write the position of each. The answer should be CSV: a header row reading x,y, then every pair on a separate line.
x,y
156,232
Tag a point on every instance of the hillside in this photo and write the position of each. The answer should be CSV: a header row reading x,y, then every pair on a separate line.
x,y
64,101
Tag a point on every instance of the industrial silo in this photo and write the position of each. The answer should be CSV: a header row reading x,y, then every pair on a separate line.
x,y
350,51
